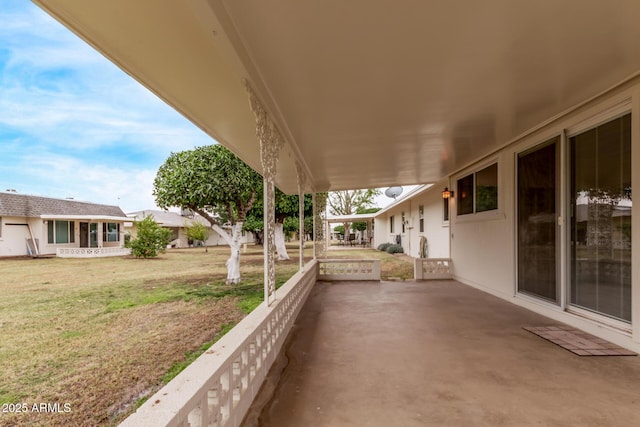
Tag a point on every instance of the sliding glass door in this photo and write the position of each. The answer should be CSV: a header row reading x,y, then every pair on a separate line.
x,y
538,236
600,197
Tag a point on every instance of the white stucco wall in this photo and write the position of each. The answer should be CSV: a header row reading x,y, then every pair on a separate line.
x,y
483,246
436,230
13,241
13,237
214,238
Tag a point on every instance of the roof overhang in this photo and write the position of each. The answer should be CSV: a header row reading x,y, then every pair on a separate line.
x,y
366,93
415,192
86,217
351,218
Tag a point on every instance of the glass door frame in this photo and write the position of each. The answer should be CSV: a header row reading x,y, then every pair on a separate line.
x,y
561,228
595,121
597,115
93,232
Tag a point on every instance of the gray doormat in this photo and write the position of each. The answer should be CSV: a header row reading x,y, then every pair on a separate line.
x,y
578,342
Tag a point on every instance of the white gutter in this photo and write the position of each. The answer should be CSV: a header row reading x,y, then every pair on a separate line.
x,y
413,193
87,217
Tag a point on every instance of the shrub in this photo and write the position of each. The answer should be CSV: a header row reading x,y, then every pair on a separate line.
x,y
198,232
383,247
395,249
151,239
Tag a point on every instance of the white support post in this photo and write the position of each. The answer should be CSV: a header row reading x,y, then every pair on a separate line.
x,y
270,144
301,185
315,216
319,216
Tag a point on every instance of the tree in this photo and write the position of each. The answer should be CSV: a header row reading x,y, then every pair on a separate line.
x,y
362,226
286,213
255,225
151,239
198,232
348,202
287,209
214,183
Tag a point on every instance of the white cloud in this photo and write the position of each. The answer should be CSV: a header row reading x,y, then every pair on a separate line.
x,y
92,181
72,124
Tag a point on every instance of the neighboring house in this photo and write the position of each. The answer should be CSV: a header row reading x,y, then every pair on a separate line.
x,y
177,223
35,225
421,214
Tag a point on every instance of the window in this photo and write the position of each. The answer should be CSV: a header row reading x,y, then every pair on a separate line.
x,y
403,222
110,232
487,189
445,210
60,231
421,217
0,227
478,192
391,220
465,195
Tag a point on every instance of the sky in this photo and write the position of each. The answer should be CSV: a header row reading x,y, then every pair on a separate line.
x,y
73,125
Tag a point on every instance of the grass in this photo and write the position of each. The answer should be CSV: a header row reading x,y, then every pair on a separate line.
x,y
392,267
103,334
189,357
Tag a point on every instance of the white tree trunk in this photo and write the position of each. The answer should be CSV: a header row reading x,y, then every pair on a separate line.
x,y
233,240
281,248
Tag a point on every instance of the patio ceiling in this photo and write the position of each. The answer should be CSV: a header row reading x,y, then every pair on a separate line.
x,y
366,93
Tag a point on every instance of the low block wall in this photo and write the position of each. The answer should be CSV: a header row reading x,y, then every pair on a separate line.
x,y
91,252
349,269
432,268
218,388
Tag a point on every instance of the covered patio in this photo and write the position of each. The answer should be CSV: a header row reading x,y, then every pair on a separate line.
x,y
435,353
351,237
522,109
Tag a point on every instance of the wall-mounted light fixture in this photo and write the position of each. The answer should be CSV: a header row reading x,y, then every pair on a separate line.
x,y
446,193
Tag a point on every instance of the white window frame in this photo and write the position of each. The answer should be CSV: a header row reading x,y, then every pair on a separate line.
x,y
492,214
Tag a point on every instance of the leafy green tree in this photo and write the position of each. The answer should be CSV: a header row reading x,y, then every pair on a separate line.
x,y
308,226
362,226
197,231
151,239
286,212
290,225
216,184
255,225
349,202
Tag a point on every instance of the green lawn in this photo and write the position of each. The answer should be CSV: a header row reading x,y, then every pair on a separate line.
x,y
102,334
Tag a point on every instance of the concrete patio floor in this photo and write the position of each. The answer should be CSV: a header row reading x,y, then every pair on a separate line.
x,y
436,354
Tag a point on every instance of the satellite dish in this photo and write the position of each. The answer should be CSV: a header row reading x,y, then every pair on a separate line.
x,y
393,192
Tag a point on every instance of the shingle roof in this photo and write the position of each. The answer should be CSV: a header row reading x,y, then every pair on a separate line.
x,y
13,204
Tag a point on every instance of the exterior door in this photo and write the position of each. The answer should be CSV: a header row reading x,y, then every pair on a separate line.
x,y
84,234
601,219
538,211
93,235
88,235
